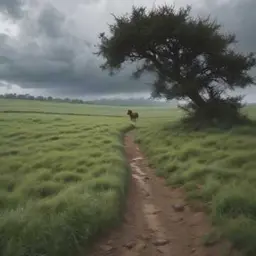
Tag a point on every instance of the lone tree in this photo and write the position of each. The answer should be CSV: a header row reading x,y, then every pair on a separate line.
x,y
191,58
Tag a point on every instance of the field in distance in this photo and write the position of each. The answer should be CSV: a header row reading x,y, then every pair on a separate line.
x,y
84,109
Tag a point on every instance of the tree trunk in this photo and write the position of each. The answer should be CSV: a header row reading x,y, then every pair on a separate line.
x,y
197,99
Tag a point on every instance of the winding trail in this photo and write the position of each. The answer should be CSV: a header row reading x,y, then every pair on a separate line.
x,y
157,221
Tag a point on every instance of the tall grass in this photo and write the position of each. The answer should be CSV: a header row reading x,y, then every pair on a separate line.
x,y
215,166
63,181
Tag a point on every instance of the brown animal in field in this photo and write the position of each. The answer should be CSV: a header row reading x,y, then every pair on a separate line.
x,y
133,115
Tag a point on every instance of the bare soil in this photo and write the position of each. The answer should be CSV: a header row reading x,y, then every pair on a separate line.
x,y
158,220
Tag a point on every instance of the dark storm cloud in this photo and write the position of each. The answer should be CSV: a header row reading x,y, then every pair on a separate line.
x,y
54,47
50,56
237,17
12,8
50,22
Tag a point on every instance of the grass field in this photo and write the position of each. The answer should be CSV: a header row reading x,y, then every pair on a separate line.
x,y
83,109
62,181
63,178
215,166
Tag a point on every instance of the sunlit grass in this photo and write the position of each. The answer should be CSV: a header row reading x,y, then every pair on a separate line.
x,y
63,181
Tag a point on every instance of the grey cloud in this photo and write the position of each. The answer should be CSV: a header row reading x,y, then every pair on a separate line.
x,y
54,58
55,44
237,17
50,22
12,8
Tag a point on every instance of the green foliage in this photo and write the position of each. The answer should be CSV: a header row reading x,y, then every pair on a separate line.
x,y
63,181
191,57
215,167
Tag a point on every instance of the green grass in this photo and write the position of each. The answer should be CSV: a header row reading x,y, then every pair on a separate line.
x,y
214,166
63,178
83,109
63,181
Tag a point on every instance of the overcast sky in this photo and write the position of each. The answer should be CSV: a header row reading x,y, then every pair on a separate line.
x,y
46,46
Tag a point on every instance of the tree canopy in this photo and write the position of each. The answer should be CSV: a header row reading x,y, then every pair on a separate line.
x,y
191,58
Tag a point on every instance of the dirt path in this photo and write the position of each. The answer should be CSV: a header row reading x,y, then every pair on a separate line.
x,y
158,220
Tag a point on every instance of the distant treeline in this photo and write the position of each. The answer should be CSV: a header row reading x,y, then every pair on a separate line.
x,y
41,98
113,102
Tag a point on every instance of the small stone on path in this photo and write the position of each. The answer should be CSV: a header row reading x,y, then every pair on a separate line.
x,y
140,246
161,242
145,237
179,207
156,212
106,248
130,245
193,250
